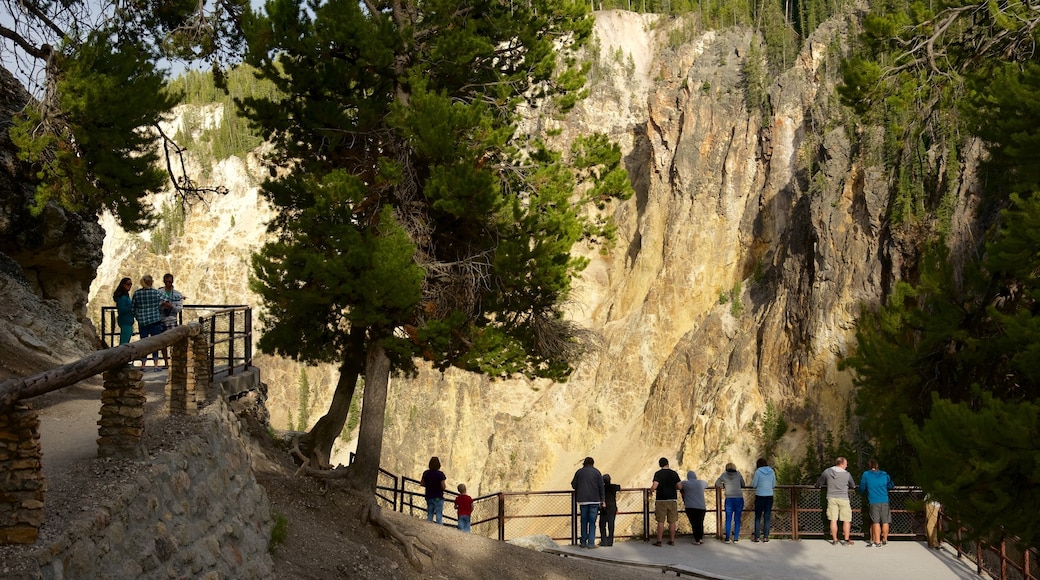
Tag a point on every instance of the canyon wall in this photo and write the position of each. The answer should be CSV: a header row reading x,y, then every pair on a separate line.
x,y
739,269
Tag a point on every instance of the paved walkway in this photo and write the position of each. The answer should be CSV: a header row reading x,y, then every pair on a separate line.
x,y
68,419
788,559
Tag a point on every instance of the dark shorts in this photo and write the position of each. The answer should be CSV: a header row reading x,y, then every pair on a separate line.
x,y
880,513
152,329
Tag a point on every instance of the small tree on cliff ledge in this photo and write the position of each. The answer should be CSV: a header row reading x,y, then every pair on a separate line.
x,y
414,220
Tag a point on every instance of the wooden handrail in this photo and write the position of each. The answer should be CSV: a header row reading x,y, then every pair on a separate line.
x,y
13,390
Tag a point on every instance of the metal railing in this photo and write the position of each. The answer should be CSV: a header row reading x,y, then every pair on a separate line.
x,y
1004,559
798,512
230,329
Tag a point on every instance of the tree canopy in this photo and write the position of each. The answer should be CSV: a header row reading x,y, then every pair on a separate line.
x,y
95,70
415,220
947,368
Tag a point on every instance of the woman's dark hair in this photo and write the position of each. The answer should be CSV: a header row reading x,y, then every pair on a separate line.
x,y
121,289
435,463
761,462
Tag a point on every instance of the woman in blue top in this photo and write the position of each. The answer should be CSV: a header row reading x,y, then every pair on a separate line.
x,y
124,310
763,481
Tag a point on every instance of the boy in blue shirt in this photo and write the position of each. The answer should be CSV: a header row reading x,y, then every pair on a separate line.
x,y
876,483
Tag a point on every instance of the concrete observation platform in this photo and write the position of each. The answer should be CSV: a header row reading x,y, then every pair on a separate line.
x,y
784,559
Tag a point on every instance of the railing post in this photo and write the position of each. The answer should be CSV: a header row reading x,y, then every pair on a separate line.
x,y
720,506
23,485
501,517
574,519
249,337
231,343
794,512
212,342
646,515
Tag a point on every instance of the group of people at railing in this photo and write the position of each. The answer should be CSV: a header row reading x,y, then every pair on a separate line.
x,y
154,310
594,492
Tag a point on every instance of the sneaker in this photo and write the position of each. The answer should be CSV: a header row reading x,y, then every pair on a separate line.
x,y
735,540
869,545
884,542
843,542
728,541
878,545
754,539
591,546
847,543
832,542
765,539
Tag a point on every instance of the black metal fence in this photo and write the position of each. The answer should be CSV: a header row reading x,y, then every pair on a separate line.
x,y
798,512
230,329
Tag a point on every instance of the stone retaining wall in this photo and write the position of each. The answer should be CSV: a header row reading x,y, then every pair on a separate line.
x,y
197,512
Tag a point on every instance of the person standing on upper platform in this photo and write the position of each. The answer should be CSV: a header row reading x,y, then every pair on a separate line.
x,y
145,304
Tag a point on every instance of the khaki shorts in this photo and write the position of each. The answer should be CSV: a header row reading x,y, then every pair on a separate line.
x,y
839,509
666,510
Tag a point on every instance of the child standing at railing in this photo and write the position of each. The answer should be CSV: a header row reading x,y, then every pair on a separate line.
x,y
464,505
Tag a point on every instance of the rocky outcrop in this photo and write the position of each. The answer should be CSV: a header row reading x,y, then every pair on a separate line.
x,y
47,263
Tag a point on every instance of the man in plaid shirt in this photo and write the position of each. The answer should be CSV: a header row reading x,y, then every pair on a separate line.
x,y
145,304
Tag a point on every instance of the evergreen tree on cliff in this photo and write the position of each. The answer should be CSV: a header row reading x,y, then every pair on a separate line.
x,y
948,368
94,70
415,221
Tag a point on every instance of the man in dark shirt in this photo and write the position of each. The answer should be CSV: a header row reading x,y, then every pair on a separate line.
x,y
666,507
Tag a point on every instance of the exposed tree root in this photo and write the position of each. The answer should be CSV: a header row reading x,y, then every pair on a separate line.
x,y
371,513
309,465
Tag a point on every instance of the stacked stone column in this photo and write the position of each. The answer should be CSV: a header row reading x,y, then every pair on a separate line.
x,y
22,485
122,415
189,381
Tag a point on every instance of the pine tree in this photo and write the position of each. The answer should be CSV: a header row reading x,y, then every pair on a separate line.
x,y
981,460
415,221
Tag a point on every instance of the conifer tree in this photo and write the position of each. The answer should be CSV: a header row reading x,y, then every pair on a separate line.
x,y
951,357
93,68
414,219
982,462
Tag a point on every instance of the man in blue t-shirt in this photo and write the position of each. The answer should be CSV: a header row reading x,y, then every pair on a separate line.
x,y
876,483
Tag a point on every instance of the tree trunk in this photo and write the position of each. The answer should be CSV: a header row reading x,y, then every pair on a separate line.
x,y
373,415
319,441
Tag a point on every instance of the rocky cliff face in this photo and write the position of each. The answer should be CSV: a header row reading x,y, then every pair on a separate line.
x,y
740,266
47,263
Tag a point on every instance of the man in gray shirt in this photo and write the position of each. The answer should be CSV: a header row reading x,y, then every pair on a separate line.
x,y
838,482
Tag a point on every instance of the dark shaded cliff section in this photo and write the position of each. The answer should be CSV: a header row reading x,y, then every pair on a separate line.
x,y
47,263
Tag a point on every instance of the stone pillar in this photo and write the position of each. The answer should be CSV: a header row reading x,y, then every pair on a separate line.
x,y
189,382
179,399
122,415
199,359
22,485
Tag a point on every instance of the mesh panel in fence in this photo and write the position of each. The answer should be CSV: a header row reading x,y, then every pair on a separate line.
x,y
484,520
550,513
